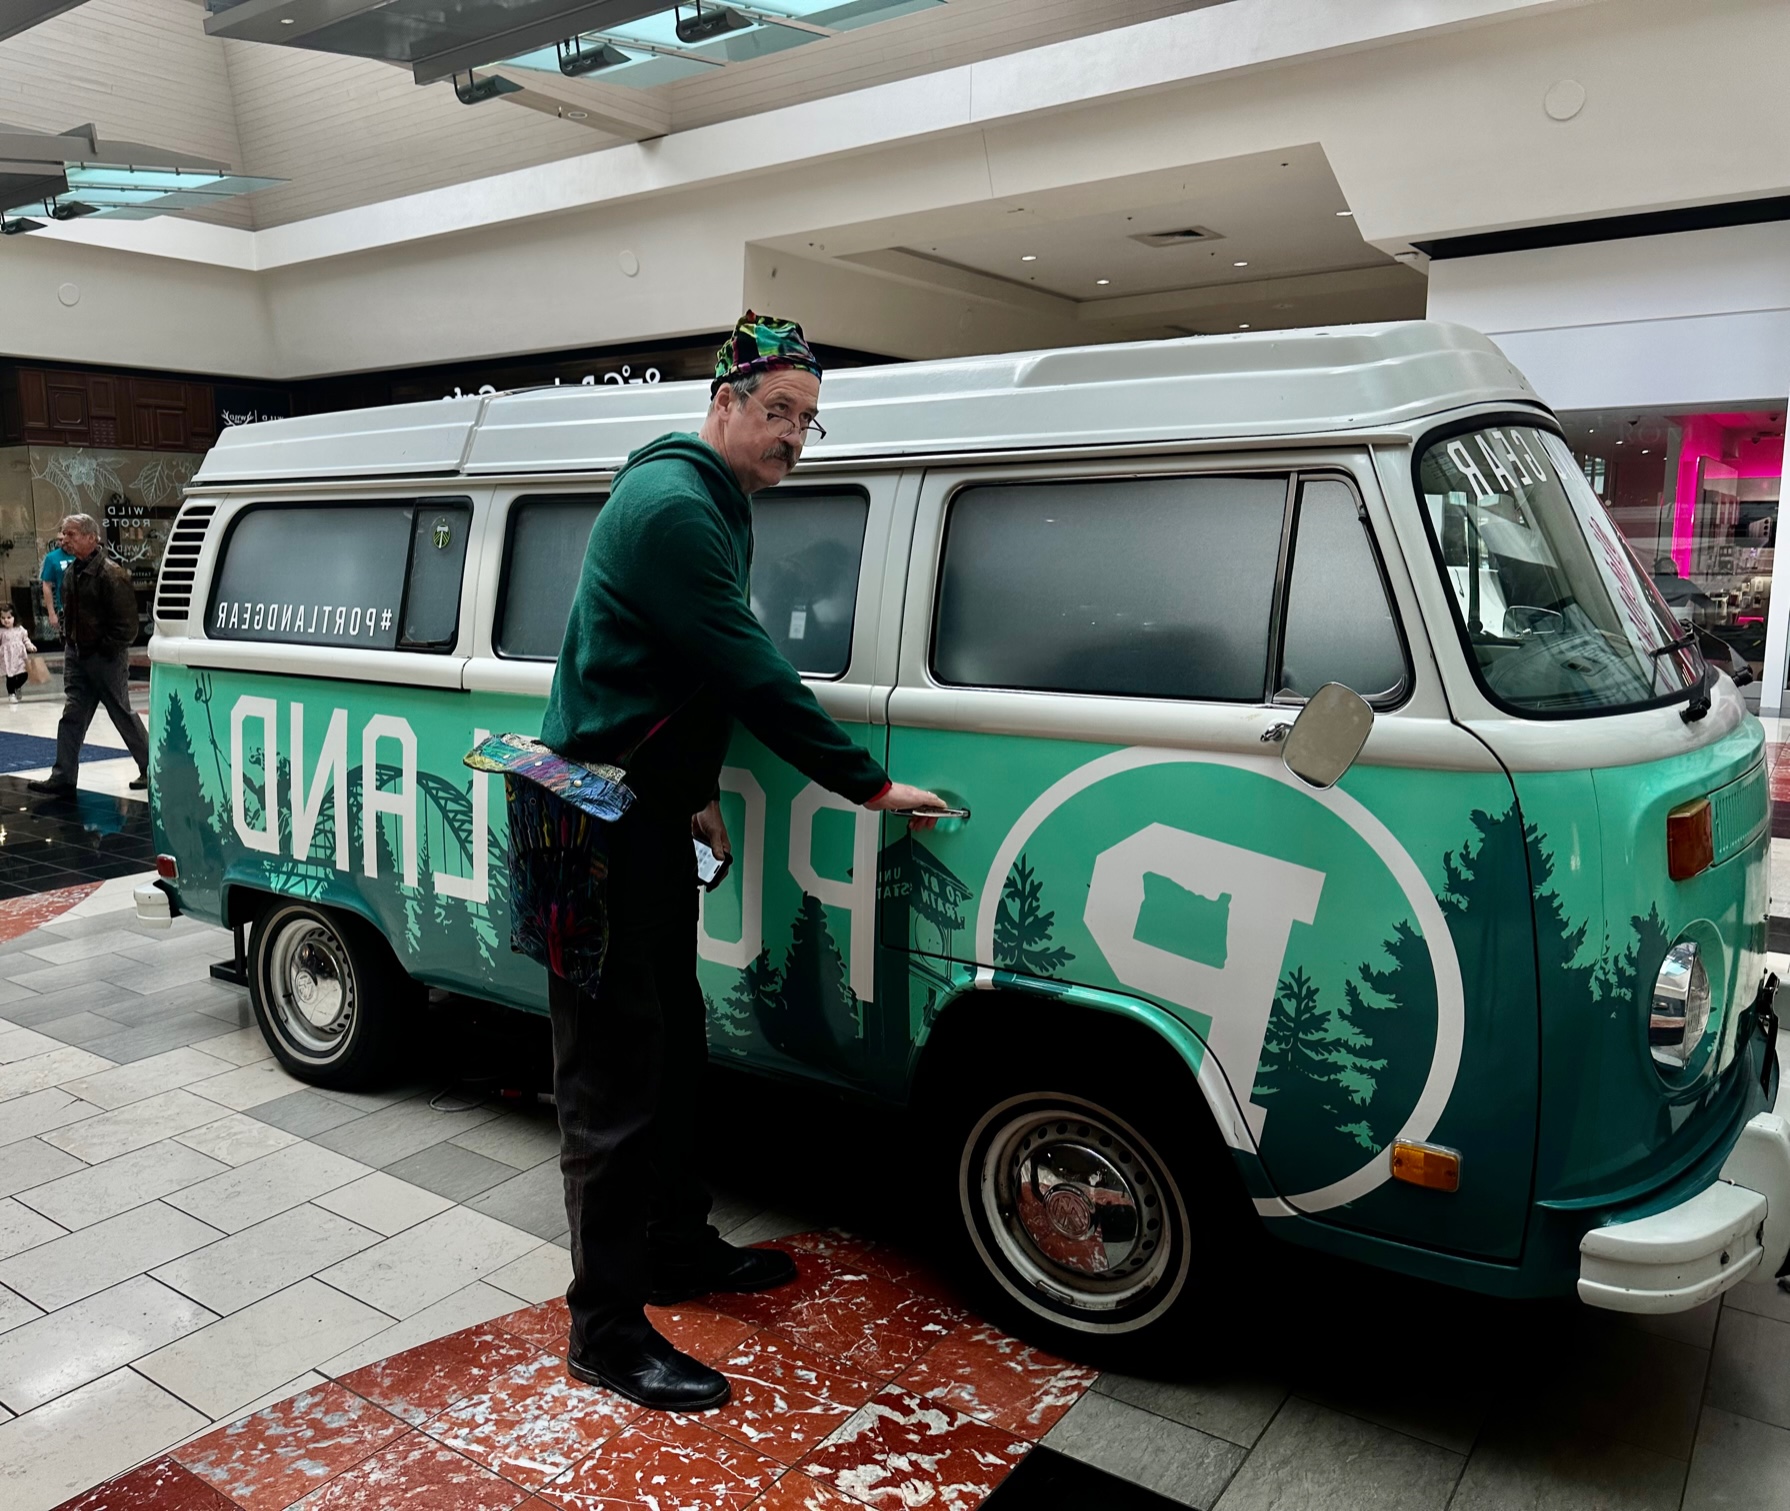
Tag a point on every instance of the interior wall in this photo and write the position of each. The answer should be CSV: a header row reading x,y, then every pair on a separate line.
x,y
878,314
63,302
1696,318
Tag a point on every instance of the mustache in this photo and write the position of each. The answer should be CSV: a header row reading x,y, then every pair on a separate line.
x,y
781,453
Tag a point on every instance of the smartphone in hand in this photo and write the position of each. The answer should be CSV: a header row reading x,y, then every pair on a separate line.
x,y
711,869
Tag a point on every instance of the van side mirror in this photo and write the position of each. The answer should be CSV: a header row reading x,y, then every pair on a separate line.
x,y
1328,735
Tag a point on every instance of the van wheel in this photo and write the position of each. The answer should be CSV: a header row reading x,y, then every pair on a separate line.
x,y
328,994
1093,1215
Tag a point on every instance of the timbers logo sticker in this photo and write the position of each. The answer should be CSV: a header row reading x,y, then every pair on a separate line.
x,y
1284,925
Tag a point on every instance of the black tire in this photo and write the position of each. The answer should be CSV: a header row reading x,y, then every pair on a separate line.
x,y
328,993
1034,1153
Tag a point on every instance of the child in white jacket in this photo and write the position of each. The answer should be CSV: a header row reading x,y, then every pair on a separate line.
x,y
15,645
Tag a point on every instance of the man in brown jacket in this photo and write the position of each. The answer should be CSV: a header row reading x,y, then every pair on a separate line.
x,y
99,622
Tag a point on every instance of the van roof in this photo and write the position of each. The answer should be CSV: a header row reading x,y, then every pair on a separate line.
x,y
1258,385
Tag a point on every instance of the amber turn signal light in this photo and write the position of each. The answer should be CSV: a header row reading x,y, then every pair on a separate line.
x,y
1690,839
1427,1165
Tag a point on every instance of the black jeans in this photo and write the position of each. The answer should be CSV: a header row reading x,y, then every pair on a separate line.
x,y
90,681
627,1071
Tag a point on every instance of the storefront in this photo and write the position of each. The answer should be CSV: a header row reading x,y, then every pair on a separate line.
x,y
1697,496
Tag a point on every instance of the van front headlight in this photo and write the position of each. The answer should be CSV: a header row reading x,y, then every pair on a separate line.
x,y
1678,1016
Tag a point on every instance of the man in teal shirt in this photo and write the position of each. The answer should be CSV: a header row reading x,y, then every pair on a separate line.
x,y
661,656
55,563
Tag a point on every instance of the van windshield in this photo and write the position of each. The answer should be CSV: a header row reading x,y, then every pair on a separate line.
x,y
1558,615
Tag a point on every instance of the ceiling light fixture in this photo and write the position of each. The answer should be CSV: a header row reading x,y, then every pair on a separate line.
x,y
716,21
1029,257
1346,214
1103,281
475,91
577,115
1239,264
1243,325
575,62
286,21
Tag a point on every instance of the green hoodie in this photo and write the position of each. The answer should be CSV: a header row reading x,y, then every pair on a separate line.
x,y
662,634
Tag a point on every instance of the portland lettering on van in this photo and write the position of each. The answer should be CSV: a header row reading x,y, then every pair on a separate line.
x,y
384,738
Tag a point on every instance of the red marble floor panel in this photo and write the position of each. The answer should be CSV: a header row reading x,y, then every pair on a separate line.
x,y
667,1464
532,1422
415,1472
796,1492
269,1460
868,1324
700,1331
547,1326
871,1258
422,1381
902,1450
986,1374
786,1398
20,915
159,1486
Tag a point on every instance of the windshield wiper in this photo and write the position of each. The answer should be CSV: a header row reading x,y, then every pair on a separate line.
x,y
1689,640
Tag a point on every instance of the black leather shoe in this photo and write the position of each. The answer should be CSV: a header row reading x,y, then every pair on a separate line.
x,y
140,782
721,1267
653,1373
56,789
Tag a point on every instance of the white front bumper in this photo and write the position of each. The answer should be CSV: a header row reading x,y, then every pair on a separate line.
x,y
1737,1229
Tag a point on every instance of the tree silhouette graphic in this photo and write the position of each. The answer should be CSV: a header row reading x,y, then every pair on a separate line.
x,y
815,1016
1022,926
190,821
756,987
1318,1054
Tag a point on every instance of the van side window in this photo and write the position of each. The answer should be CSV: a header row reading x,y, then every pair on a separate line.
x,y
1339,626
381,575
1145,587
543,558
806,550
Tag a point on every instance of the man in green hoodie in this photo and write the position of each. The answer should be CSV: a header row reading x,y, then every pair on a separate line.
x,y
661,655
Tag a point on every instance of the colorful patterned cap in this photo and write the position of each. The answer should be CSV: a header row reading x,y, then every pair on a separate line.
x,y
760,343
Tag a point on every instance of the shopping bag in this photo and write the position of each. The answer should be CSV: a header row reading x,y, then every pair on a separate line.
x,y
35,670
559,812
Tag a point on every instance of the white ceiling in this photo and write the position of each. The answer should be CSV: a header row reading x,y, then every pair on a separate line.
x,y
1276,212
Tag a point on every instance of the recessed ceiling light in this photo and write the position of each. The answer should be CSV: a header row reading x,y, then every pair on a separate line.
x,y
1243,326
1643,451
1619,443
577,115
1029,257
285,20
1103,281
1239,264
1345,213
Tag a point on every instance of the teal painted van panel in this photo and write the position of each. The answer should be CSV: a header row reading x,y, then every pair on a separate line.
x,y
1612,1126
1358,962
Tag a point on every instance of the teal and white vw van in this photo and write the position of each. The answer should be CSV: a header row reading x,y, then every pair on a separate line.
x,y
1492,1009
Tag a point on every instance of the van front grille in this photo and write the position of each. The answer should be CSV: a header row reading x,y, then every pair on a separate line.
x,y
1739,813
180,562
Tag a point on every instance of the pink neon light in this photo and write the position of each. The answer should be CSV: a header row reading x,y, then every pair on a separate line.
x,y
1707,436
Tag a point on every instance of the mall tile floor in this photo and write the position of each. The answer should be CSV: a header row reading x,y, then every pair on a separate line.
x,y
222,1289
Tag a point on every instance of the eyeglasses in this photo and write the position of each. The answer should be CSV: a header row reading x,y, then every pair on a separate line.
x,y
789,426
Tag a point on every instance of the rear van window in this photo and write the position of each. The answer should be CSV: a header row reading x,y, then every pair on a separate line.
x,y
543,556
380,575
1157,587
807,547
